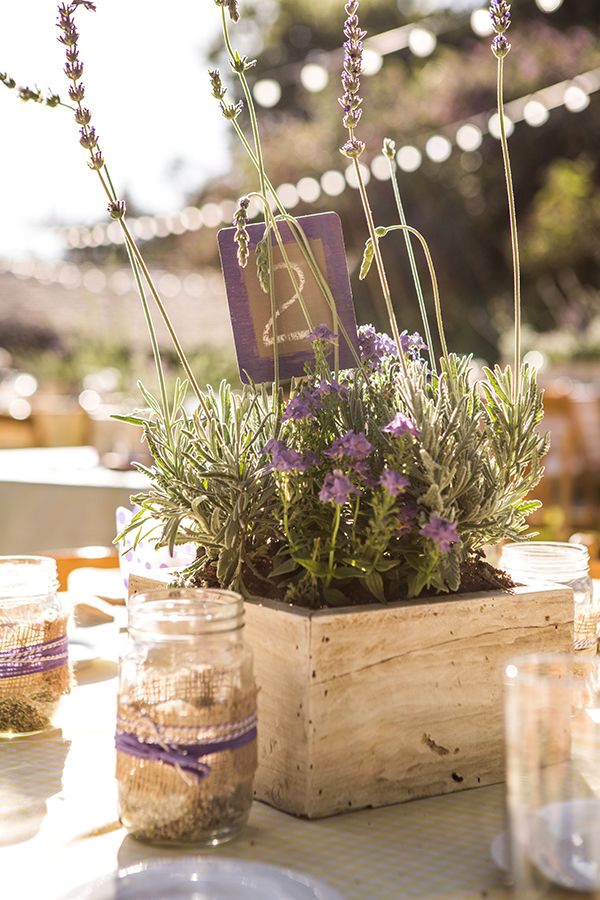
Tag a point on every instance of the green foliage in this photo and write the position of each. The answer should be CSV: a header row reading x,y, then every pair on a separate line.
x,y
207,482
472,462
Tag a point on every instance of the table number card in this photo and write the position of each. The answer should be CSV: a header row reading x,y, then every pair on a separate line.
x,y
250,306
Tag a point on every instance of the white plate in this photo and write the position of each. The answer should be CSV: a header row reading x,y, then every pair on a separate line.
x,y
204,879
86,645
565,844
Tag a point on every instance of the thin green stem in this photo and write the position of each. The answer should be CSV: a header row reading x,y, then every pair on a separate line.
x,y
334,534
149,322
513,230
434,284
379,262
263,190
413,263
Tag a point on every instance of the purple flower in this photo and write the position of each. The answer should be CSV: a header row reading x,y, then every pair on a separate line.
x,y
362,469
327,388
412,343
500,16
406,518
374,347
443,532
311,459
400,425
354,446
283,458
337,488
301,406
393,482
323,333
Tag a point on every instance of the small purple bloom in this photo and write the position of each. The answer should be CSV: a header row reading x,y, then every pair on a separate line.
x,y
374,347
337,488
326,388
400,425
443,532
323,333
393,482
311,459
301,406
406,518
283,458
354,446
412,343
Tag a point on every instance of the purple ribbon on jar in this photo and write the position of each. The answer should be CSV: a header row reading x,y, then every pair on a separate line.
x,y
188,757
34,658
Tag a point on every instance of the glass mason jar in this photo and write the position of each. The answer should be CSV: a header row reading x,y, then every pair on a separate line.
x,y
560,563
186,720
34,665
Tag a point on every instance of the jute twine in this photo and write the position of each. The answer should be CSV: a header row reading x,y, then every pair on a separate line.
x,y
28,702
160,802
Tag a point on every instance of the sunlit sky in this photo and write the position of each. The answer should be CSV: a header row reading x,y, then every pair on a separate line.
x,y
145,76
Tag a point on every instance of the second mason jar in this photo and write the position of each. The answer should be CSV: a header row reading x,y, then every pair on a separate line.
x,y
186,721
561,563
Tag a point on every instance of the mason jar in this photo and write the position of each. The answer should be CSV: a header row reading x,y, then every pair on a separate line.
x,y
560,563
34,664
186,719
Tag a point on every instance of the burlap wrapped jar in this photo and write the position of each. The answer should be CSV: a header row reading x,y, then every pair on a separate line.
x,y
186,723
34,667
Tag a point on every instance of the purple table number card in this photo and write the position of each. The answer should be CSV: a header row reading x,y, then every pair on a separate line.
x,y
250,307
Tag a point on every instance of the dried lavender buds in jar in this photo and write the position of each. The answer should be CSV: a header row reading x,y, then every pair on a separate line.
x,y
34,667
186,723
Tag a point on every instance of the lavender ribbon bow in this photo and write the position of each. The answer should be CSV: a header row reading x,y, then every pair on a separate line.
x,y
185,756
34,658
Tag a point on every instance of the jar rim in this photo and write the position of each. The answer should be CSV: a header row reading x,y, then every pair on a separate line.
x,y
185,613
26,578
550,559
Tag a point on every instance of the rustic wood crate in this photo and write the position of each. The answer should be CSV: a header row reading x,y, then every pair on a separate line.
x,y
380,704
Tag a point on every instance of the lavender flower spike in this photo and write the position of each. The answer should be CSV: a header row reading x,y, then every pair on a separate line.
x,y
500,16
337,488
442,532
351,101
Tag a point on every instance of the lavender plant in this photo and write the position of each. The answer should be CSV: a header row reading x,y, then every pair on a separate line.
x,y
381,482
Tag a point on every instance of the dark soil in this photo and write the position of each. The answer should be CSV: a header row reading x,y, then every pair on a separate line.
x,y
477,575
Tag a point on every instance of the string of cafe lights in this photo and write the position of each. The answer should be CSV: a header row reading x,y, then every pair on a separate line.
x,y
420,38
120,282
467,135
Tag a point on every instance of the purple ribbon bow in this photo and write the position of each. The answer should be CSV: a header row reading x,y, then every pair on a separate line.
x,y
34,658
186,756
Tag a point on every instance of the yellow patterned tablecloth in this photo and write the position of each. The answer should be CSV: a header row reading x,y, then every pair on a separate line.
x,y
58,825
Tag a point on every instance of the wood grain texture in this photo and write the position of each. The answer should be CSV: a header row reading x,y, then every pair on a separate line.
x,y
380,704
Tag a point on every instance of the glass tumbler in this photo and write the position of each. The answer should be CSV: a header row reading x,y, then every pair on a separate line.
x,y
560,563
186,720
34,665
552,707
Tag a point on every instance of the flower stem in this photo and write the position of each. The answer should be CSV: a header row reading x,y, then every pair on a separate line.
x,y
513,230
334,534
150,324
263,190
379,262
413,263
408,229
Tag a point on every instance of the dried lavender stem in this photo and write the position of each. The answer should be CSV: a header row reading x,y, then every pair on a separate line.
x,y
379,262
408,229
513,230
413,262
263,190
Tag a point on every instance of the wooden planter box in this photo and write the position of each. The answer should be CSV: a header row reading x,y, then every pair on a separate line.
x,y
380,704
